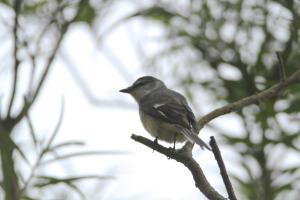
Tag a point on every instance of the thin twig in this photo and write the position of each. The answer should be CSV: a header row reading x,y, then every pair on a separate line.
x,y
43,151
32,98
281,67
17,6
32,132
269,93
200,180
47,67
218,157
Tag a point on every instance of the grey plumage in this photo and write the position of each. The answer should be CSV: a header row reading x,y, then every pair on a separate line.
x,y
164,113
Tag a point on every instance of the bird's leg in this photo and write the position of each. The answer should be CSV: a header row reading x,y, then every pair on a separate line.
x,y
173,149
155,142
174,142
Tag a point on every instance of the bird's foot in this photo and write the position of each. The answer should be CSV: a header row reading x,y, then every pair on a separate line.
x,y
155,143
172,152
173,149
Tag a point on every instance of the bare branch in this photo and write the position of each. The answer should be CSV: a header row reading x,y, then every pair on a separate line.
x,y
269,93
32,131
184,157
218,157
32,98
17,5
47,67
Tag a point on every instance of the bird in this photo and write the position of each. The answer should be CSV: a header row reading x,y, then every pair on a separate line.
x,y
164,113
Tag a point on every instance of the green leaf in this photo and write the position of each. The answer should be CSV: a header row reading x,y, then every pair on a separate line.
x,y
294,106
157,13
87,153
56,129
26,197
235,90
6,2
290,170
45,181
290,140
285,187
234,140
86,13
246,188
49,180
33,6
293,60
65,144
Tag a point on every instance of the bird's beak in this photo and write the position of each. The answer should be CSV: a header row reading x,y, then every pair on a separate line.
x,y
126,90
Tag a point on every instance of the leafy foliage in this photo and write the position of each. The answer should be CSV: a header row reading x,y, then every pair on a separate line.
x,y
32,26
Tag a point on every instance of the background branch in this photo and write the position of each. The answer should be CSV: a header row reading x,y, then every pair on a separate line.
x,y
32,97
272,92
29,101
17,5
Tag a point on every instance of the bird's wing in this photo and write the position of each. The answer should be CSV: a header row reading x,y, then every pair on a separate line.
x,y
190,115
170,107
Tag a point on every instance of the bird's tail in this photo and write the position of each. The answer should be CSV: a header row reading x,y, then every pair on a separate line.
x,y
193,138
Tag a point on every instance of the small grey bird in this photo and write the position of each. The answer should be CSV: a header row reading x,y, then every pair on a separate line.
x,y
164,113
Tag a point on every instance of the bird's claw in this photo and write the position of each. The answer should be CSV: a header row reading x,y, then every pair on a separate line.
x,y
155,143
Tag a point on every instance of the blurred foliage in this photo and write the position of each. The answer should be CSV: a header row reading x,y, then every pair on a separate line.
x,y
35,30
227,48
47,152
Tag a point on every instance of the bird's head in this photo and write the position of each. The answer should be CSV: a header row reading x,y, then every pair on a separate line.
x,y
143,86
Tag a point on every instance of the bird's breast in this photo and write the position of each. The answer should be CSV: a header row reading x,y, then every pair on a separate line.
x,y
160,129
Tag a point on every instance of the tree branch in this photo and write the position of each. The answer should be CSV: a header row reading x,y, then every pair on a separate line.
x,y
47,67
17,5
30,101
218,157
186,159
270,93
